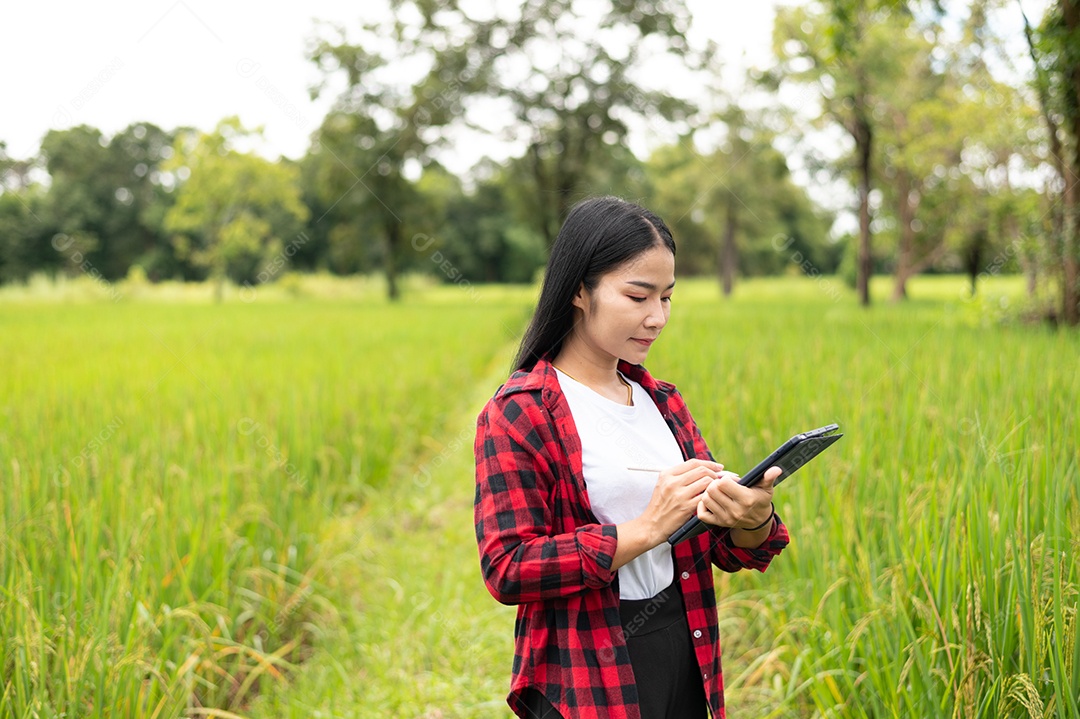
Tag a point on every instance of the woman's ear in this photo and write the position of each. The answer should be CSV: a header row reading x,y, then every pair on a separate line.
x,y
581,298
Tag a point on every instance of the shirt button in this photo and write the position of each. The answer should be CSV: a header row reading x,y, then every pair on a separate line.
x,y
686,575
697,634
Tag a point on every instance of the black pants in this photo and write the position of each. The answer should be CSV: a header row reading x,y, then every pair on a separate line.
x,y
668,677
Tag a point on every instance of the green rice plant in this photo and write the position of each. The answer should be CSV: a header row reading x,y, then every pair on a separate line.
x,y
933,567
920,579
170,471
319,557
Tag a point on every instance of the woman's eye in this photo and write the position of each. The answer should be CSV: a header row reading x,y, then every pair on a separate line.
x,y
665,299
636,299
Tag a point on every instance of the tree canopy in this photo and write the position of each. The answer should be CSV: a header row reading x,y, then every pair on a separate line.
x,y
931,138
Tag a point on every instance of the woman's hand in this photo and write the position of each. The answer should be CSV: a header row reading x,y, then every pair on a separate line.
x,y
726,503
674,497
676,494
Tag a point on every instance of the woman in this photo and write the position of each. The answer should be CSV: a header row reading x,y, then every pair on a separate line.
x,y
572,525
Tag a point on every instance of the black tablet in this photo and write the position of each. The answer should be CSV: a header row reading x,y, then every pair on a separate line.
x,y
789,456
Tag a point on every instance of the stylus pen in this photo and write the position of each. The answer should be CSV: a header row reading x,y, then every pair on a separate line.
x,y
644,469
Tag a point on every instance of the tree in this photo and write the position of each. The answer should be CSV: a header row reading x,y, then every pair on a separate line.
x,y
380,122
483,237
989,126
561,71
136,233
24,235
842,48
747,217
948,139
1055,50
108,197
24,238
82,195
570,78
235,211
918,149
359,173
14,173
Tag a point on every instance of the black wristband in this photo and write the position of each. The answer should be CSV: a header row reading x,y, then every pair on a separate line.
x,y
772,514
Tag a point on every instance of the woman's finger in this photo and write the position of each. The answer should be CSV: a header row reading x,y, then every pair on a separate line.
x,y
728,486
769,478
713,512
695,473
692,463
697,487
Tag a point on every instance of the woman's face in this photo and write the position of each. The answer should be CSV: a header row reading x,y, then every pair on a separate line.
x,y
622,316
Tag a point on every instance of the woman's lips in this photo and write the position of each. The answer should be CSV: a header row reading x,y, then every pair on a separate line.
x,y
644,343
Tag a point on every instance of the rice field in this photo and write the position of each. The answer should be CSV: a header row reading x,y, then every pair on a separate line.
x,y
934,567
264,508
170,471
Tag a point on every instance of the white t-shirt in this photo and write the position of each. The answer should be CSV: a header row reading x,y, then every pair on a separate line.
x,y
615,437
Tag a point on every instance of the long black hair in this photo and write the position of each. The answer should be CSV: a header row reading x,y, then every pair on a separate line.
x,y
599,235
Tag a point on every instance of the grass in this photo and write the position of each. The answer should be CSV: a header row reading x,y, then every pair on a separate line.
x,y
918,582
933,566
170,471
266,507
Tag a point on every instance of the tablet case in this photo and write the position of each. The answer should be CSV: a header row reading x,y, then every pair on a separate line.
x,y
789,456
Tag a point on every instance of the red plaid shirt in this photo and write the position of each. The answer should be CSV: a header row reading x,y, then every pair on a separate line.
x,y
542,549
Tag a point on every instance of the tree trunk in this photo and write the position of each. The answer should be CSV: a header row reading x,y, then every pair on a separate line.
x,y
863,145
393,239
728,255
540,177
973,257
1031,274
569,164
1027,263
905,252
1070,310
1061,220
899,292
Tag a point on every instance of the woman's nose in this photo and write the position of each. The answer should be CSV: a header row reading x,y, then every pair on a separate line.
x,y
657,317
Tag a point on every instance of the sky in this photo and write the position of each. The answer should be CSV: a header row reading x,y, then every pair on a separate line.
x,y
192,62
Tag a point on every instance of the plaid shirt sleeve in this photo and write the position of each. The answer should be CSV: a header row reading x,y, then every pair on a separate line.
x,y
731,558
521,560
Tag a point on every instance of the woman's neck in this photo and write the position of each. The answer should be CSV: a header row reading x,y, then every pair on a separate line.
x,y
597,373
